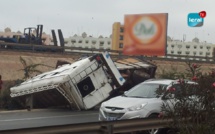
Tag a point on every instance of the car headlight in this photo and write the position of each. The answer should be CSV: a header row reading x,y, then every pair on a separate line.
x,y
137,107
103,104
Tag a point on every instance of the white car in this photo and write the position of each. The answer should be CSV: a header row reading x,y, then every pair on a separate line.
x,y
141,101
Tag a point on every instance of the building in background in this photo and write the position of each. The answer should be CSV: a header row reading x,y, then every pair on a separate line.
x,y
115,42
88,42
194,48
174,47
117,36
7,33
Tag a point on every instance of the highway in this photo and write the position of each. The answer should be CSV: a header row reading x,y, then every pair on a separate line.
x,y
38,118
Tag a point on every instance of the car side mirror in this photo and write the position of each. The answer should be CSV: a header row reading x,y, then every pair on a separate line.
x,y
168,96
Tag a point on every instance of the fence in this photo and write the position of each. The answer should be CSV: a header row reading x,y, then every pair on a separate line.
x,y
89,51
106,127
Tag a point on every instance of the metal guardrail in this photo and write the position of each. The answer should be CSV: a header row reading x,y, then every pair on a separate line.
x,y
105,127
118,53
115,53
30,47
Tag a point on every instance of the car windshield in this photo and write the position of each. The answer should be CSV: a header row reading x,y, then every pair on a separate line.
x,y
145,91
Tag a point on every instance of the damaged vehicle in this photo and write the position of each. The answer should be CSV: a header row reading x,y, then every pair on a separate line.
x,y
84,84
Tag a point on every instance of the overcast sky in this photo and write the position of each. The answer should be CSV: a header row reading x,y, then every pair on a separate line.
x,y
95,17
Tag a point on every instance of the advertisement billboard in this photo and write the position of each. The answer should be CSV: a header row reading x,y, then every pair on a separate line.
x,y
145,34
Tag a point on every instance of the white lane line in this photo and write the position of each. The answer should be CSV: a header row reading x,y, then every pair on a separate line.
x,y
37,118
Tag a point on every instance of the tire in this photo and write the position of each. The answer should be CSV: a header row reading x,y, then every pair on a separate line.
x,y
160,130
151,131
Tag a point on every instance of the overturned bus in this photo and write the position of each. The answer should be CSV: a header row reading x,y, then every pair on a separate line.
x,y
80,85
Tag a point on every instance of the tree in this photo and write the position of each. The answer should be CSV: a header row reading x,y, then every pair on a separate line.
x,y
29,70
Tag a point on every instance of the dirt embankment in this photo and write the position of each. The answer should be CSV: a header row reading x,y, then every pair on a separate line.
x,y
10,65
175,66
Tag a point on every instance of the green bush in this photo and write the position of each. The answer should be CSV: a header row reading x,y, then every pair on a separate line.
x,y
193,107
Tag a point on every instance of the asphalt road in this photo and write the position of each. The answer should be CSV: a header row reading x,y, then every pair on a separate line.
x,y
38,118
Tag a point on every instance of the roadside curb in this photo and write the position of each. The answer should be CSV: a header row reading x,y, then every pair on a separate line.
x,y
25,110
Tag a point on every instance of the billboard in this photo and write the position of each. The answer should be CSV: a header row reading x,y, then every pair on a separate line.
x,y
145,34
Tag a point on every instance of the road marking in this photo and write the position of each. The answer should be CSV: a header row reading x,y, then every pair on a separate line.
x,y
37,118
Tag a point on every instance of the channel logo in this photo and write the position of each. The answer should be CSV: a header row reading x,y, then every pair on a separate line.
x,y
196,19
